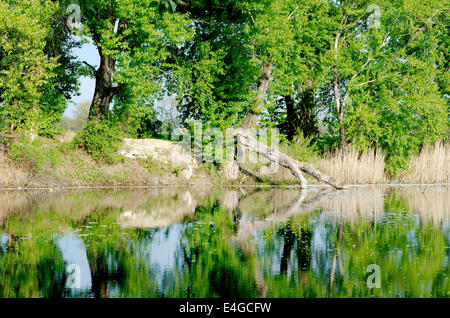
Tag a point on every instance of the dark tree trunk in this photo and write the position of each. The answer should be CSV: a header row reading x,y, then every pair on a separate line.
x,y
307,120
99,273
293,122
263,85
104,90
301,119
104,76
289,238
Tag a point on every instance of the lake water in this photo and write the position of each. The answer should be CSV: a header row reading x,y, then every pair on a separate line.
x,y
226,242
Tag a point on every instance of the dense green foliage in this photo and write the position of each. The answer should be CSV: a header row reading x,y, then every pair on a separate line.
x,y
100,139
37,72
369,73
387,79
25,69
37,154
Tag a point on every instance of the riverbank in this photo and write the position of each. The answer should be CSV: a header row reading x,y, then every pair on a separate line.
x,y
54,163
51,163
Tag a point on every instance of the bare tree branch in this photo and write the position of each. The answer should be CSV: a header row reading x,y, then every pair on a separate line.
x,y
94,70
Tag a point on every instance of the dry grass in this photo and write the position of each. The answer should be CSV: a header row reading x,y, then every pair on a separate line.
x,y
355,204
353,167
432,165
11,175
54,163
430,203
73,167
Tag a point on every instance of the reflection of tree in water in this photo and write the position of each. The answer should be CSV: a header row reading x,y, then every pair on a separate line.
x,y
288,239
297,249
116,269
214,265
297,245
218,248
324,254
43,273
303,252
39,276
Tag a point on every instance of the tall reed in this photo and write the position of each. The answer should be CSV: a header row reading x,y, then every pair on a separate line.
x,y
431,165
351,166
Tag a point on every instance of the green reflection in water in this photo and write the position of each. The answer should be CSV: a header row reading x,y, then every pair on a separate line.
x,y
325,258
218,243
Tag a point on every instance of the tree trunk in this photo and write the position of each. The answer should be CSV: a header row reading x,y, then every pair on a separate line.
x,y
307,121
342,134
104,90
231,169
336,87
296,167
340,112
292,119
302,119
99,274
263,84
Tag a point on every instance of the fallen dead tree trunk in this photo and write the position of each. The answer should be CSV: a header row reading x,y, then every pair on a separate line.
x,y
245,141
294,208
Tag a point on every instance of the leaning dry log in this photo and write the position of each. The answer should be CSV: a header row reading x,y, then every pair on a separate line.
x,y
294,208
247,142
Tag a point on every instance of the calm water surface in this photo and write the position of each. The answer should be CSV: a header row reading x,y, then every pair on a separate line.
x,y
246,242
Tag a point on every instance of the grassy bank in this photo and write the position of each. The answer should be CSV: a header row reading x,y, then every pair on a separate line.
x,y
44,162
56,162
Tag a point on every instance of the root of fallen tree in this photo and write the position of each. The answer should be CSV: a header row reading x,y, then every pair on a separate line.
x,y
245,141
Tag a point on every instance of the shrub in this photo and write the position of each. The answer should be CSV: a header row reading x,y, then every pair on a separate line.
x,y
394,165
160,167
37,154
99,139
302,148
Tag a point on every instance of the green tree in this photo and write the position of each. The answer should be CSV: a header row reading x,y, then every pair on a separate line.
x,y
212,75
301,67
382,84
25,70
246,54
131,38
